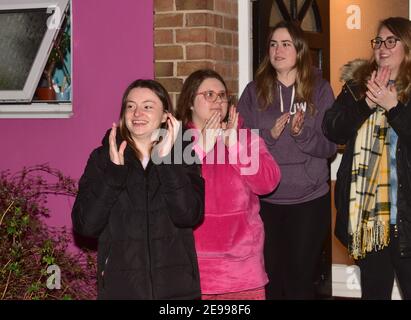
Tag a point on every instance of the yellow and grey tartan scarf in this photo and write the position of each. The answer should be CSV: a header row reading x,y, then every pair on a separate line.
x,y
369,219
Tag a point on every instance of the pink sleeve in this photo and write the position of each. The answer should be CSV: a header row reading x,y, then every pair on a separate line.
x,y
199,151
251,159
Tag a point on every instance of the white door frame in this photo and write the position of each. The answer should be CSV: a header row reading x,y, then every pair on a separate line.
x,y
245,44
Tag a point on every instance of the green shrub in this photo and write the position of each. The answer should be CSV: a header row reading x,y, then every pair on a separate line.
x,y
28,246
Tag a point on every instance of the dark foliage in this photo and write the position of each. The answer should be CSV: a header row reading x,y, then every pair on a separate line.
x,y
28,247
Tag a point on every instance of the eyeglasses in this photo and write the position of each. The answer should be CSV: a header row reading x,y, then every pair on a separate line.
x,y
211,96
389,43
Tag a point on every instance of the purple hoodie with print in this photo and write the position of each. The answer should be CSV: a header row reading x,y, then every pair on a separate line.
x,y
303,158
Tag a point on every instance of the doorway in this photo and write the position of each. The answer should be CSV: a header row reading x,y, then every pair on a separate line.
x,y
338,31
311,15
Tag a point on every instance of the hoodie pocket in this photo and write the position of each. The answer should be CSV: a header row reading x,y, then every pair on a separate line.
x,y
225,236
295,182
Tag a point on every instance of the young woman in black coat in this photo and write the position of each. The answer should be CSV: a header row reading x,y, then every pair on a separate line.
x,y
142,209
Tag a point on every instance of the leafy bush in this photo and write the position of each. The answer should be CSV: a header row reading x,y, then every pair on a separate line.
x,y
28,247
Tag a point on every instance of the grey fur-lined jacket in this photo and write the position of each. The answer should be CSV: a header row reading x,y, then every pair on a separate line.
x,y
341,124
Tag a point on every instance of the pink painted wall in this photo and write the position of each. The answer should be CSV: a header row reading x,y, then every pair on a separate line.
x,y
113,45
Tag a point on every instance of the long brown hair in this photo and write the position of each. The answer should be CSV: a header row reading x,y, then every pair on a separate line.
x,y
158,90
266,76
189,92
401,28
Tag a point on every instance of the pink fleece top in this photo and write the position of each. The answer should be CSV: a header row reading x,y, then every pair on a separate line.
x,y
230,240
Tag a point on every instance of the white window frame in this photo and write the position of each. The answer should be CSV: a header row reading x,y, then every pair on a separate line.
x,y
21,106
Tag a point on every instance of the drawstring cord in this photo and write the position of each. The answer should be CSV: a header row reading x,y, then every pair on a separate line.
x,y
282,102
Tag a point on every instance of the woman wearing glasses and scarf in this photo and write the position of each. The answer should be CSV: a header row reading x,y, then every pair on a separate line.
x,y
236,167
286,102
372,117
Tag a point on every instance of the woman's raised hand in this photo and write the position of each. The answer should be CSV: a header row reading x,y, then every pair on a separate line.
x,y
165,146
379,91
116,155
230,127
211,130
297,123
279,125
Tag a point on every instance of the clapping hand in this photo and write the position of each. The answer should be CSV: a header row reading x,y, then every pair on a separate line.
x,y
165,146
116,154
380,92
297,123
230,127
279,125
211,130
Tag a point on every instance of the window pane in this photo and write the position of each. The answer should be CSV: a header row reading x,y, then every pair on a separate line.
x,y
308,23
21,34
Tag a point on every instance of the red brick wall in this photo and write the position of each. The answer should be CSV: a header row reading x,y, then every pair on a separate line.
x,y
194,34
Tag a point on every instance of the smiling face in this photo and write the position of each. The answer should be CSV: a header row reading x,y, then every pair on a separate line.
x,y
144,113
283,55
391,58
204,109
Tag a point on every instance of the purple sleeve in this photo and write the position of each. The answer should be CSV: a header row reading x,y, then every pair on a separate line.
x,y
312,140
247,107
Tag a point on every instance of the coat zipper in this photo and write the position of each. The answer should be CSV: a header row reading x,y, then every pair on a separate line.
x,y
105,267
148,240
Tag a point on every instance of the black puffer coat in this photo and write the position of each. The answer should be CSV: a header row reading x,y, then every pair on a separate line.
x,y
340,125
143,220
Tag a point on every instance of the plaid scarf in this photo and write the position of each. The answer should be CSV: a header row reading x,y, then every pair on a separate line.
x,y
369,215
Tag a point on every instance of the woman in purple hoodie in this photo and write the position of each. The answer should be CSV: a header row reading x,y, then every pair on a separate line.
x,y
287,102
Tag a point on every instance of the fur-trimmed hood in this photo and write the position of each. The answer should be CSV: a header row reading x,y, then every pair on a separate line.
x,y
355,75
357,71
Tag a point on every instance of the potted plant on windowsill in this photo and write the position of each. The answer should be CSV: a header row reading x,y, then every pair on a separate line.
x,y
61,47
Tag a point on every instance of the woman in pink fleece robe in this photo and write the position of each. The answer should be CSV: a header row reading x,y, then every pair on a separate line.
x,y
237,168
